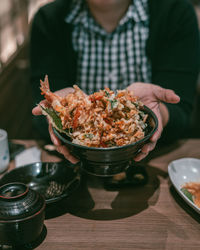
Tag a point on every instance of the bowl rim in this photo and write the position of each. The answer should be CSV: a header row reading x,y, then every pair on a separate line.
x,y
63,139
17,196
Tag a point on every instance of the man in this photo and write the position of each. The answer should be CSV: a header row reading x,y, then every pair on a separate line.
x,y
148,46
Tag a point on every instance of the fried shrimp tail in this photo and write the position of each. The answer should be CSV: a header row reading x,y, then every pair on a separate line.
x,y
53,99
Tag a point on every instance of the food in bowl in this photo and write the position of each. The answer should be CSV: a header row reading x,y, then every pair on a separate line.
x,y
103,119
192,191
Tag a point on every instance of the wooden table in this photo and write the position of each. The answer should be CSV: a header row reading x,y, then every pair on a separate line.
x,y
152,216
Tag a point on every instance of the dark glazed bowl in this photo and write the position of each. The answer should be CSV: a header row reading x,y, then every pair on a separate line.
x,y
110,161
22,214
53,180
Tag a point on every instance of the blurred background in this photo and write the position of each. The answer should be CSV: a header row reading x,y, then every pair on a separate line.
x,y
15,91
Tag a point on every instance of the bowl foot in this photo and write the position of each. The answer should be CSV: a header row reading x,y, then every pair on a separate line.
x,y
106,170
134,175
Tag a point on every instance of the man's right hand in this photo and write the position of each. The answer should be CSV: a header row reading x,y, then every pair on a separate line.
x,y
62,149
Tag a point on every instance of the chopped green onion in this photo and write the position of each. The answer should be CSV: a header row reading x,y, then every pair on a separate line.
x,y
107,94
89,136
187,194
113,103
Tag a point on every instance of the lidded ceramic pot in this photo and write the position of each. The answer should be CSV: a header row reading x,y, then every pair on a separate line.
x,y
22,214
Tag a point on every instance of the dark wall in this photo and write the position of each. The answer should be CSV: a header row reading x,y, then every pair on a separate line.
x,y
16,98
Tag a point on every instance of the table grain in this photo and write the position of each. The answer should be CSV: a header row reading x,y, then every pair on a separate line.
x,y
151,216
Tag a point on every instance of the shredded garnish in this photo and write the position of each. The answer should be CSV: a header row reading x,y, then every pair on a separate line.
x,y
193,189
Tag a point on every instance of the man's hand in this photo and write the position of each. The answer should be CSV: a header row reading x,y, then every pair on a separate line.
x,y
152,96
59,147
63,92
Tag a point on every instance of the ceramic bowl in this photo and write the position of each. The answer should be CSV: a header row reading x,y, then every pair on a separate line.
x,y
110,161
182,171
53,180
22,214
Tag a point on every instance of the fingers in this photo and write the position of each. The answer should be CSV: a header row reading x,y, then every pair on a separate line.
x,y
153,140
37,110
145,151
166,95
54,138
64,151
150,145
64,92
61,148
158,132
149,93
140,156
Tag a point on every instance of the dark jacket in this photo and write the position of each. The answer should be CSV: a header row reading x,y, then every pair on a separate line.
x,y
173,47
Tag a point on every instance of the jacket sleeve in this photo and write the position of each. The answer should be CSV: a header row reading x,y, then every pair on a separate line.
x,y
176,65
51,51
51,54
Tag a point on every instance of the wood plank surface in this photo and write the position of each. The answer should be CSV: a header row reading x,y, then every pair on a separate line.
x,y
152,216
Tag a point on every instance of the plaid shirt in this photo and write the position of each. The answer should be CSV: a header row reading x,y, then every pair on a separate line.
x,y
113,60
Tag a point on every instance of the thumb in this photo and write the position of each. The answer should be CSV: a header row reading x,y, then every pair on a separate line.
x,y
36,111
166,95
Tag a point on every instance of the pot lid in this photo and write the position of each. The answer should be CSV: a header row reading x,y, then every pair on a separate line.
x,y
18,201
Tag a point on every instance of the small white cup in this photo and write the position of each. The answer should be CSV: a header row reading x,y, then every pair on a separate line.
x,y
4,151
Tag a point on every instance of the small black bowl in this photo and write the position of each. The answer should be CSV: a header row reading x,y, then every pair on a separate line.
x,y
22,214
53,180
110,161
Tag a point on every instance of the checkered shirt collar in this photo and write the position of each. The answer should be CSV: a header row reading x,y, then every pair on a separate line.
x,y
79,14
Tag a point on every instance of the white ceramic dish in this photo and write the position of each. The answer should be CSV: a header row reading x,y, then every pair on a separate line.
x,y
182,171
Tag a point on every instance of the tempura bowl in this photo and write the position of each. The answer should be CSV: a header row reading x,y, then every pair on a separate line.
x,y
113,160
